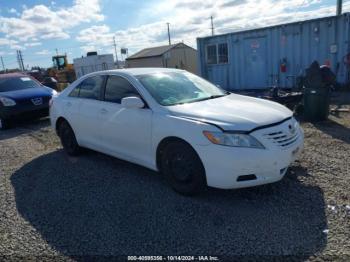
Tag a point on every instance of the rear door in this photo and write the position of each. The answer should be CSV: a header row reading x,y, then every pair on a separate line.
x,y
71,107
88,119
126,131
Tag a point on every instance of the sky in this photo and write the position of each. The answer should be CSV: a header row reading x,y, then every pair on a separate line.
x,y
74,27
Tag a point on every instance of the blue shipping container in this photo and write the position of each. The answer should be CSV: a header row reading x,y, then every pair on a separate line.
x,y
276,55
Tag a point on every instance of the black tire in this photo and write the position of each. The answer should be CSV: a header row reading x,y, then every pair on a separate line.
x,y
68,140
3,124
183,168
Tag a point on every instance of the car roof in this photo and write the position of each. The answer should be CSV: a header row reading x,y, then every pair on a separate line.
x,y
12,75
143,71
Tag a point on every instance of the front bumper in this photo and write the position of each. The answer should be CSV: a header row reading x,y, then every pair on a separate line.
x,y
17,112
226,166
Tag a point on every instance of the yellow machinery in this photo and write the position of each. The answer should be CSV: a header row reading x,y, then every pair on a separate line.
x,y
62,71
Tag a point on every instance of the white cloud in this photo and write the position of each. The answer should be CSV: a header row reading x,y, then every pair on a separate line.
x,y
96,34
4,41
32,44
88,48
13,11
7,53
12,44
43,52
17,47
43,22
190,19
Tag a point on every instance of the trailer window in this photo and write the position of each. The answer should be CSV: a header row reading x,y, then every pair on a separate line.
x,y
211,54
223,53
217,54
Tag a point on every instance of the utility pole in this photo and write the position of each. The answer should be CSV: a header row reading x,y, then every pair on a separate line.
x,y
56,51
18,59
339,6
21,59
212,25
168,24
115,50
2,62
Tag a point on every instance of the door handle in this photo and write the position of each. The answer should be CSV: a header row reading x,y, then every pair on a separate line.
x,y
69,104
104,111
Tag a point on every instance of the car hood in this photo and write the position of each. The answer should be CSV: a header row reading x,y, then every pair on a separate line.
x,y
233,112
28,93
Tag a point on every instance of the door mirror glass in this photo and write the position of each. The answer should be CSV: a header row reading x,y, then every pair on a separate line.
x,y
132,102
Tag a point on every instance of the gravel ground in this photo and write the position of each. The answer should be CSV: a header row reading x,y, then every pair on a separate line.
x,y
56,206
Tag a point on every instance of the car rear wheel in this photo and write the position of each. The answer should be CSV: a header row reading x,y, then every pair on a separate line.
x,y
183,168
68,140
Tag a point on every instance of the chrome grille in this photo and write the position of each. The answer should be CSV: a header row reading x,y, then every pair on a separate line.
x,y
282,138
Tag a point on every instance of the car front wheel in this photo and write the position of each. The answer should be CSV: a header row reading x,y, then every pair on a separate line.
x,y
68,140
183,168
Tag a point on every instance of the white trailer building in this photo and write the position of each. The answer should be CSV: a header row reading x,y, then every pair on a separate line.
x,y
93,63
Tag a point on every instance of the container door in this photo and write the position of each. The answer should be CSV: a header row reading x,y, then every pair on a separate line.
x,y
255,63
217,74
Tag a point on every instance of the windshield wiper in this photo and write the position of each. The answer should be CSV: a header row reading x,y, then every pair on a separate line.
x,y
202,99
209,97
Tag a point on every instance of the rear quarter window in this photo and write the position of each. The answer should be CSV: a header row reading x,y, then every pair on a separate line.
x,y
89,88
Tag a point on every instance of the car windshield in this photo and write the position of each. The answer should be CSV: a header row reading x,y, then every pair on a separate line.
x,y
172,88
17,83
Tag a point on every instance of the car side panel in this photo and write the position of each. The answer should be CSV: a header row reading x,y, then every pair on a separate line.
x,y
126,132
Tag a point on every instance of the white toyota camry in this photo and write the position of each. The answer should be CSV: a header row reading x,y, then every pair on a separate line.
x,y
172,121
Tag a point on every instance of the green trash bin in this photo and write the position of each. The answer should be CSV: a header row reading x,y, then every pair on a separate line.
x,y
316,103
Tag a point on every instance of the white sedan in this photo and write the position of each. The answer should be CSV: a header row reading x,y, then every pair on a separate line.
x,y
172,121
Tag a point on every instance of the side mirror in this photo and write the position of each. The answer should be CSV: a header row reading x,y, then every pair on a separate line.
x,y
132,102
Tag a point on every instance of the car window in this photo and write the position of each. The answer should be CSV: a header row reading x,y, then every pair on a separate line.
x,y
89,88
75,92
117,88
17,83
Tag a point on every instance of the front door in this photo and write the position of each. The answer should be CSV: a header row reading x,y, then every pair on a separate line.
x,y
126,132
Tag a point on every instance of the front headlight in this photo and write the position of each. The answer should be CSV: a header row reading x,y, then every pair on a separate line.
x,y
7,101
233,139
